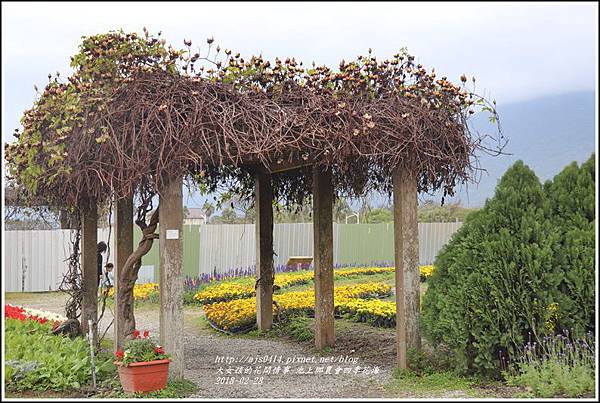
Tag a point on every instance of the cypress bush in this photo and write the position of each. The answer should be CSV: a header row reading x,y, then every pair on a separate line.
x,y
517,270
572,202
490,290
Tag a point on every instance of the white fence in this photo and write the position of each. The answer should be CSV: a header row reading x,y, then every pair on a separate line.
x,y
36,260
224,247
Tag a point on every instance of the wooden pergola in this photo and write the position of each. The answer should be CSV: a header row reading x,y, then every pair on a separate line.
x,y
171,261
348,132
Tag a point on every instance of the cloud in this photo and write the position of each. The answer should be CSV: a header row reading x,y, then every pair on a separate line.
x,y
516,51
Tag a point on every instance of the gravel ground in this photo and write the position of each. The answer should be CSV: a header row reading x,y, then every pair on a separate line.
x,y
204,347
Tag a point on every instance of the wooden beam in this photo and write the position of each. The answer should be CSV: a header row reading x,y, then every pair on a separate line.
x,y
406,256
289,166
277,167
171,274
264,250
323,255
124,248
89,266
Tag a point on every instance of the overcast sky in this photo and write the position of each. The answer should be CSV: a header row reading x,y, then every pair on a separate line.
x,y
517,51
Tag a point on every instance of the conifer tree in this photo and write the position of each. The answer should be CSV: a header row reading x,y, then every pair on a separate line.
x,y
571,196
492,286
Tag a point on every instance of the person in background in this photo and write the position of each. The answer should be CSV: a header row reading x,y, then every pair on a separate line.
x,y
108,268
101,248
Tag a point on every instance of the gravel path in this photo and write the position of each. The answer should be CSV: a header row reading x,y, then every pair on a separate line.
x,y
204,347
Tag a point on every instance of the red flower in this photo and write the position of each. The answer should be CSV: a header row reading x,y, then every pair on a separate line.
x,y
159,350
136,334
146,334
119,354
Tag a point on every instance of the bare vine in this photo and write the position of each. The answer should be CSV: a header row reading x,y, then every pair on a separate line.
x,y
72,280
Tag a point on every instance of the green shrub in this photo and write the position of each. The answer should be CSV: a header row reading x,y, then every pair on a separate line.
x,y
38,360
571,195
517,270
490,286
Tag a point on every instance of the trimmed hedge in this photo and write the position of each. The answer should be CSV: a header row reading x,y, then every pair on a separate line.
x,y
571,196
511,273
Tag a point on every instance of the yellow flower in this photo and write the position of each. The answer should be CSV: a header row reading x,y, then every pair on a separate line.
x,y
551,316
426,271
227,291
140,291
241,313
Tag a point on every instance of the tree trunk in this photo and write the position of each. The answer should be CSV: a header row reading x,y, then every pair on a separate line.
x,y
129,274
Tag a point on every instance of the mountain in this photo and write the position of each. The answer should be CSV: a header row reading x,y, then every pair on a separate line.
x,y
547,133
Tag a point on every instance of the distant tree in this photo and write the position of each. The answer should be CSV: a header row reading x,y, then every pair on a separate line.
x,y
341,209
293,214
228,216
379,215
430,211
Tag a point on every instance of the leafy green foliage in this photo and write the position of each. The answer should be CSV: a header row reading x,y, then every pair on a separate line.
x,y
406,380
37,360
550,379
572,203
490,286
433,212
510,274
427,362
299,329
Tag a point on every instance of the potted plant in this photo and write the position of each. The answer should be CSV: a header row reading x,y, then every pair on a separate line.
x,y
143,365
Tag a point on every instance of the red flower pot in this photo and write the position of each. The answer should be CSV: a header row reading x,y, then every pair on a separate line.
x,y
144,376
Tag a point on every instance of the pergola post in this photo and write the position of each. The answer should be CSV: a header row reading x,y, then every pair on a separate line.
x,y
406,256
171,273
264,250
323,258
124,248
89,266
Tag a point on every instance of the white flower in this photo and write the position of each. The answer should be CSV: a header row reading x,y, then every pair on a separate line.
x,y
55,317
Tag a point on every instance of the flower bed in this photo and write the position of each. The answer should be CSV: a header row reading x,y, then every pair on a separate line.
x,y
358,271
140,291
373,311
22,313
426,272
37,360
241,313
228,291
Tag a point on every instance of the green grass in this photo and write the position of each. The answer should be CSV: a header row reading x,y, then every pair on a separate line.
x,y
300,328
174,390
427,384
